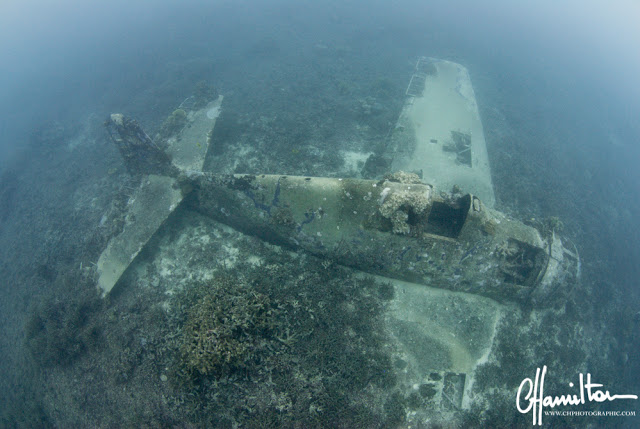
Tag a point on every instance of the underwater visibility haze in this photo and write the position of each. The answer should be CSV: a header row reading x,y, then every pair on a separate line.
x,y
351,214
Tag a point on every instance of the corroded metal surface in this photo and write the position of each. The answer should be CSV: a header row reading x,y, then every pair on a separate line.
x,y
456,265
439,134
406,231
148,208
424,231
139,153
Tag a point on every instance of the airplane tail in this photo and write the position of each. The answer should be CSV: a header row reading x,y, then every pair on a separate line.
x,y
139,153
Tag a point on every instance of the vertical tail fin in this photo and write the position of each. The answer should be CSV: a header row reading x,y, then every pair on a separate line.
x,y
140,154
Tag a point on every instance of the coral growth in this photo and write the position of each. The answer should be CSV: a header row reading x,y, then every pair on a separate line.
x,y
401,206
404,177
291,343
226,329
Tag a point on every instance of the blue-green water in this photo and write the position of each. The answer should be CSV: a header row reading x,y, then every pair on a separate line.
x,y
554,84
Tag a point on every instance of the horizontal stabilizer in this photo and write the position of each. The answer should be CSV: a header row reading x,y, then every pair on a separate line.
x,y
151,204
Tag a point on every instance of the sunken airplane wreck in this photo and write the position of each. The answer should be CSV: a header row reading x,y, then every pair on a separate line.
x,y
399,226
429,227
